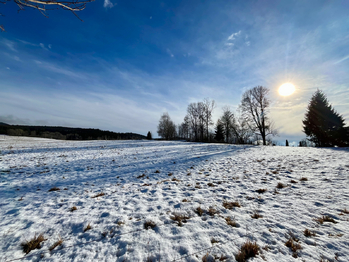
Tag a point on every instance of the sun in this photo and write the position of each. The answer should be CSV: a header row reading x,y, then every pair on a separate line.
x,y
286,89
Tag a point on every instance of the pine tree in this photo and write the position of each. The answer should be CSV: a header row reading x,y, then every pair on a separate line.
x,y
149,136
322,124
219,133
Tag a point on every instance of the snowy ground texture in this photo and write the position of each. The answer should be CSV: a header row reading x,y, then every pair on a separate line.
x,y
145,181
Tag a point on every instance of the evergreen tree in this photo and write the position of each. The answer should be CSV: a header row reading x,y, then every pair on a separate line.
x,y
149,136
286,142
219,133
322,124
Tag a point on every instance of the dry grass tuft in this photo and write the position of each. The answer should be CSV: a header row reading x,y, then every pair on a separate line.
x,y
199,211
175,179
149,224
247,250
294,246
88,227
231,222
211,184
180,219
213,241
303,179
54,189
141,176
261,190
309,233
345,211
56,244
185,200
157,172
230,205
211,211
34,243
280,185
323,219
256,215
293,181
73,209
99,195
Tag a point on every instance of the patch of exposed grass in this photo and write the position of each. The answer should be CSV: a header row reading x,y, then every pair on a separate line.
x,y
261,190
213,241
323,219
141,176
294,246
280,185
34,243
211,211
303,179
309,233
231,222
247,250
211,184
256,215
88,227
56,244
175,179
54,189
99,195
185,200
180,218
231,205
293,181
157,172
73,209
149,224
345,211
199,211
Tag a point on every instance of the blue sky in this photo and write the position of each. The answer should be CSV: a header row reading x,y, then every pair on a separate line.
x,y
130,61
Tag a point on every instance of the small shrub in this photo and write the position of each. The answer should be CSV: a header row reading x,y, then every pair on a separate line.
x,y
54,189
180,219
303,179
199,211
88,227
261,190
247,250
230,205
280,185
149,224
99,195
34,243
73,209
56,244
309,233
231,222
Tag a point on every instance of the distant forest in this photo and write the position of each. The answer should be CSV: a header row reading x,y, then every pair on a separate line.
x,y
66,133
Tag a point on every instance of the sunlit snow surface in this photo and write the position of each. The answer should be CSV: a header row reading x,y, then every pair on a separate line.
x,y
30,167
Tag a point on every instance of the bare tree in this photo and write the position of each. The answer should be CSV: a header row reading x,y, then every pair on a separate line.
x,y
166,127
209,105
255,107
241,128
45,5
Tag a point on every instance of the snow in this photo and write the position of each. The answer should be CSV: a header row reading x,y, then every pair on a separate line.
x,y
29,167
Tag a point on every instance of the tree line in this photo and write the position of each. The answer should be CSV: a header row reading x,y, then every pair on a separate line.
x,y
251,122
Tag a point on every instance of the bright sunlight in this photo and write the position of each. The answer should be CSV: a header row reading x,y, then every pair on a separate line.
x,y
286,89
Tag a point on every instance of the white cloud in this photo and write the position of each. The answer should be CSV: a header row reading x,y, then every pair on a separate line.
x,y
8,68
108,4
232,36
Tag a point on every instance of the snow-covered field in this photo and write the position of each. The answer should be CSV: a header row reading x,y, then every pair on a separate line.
x,y
145,181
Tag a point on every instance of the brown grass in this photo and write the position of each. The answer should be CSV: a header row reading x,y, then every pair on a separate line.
x,y
323,219
211,211
293,181
230,205
170,174
261,190
88,227
247,250
73,209
157,171
56,244
149,224
175,179
256,215
213,241
345,211
54,189
34,243
211,184
230,222
185,200
303,179
141,176
280,185
309,233
199,211
180,219
99,195
294,246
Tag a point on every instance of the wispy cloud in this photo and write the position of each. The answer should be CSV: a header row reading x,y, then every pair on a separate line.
x,y
107,4
169,52
341,60
9,44
233,36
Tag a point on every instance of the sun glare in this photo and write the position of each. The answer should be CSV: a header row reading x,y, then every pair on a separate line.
x,y
286,89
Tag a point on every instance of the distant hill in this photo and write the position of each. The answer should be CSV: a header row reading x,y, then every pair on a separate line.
x,y
66,133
